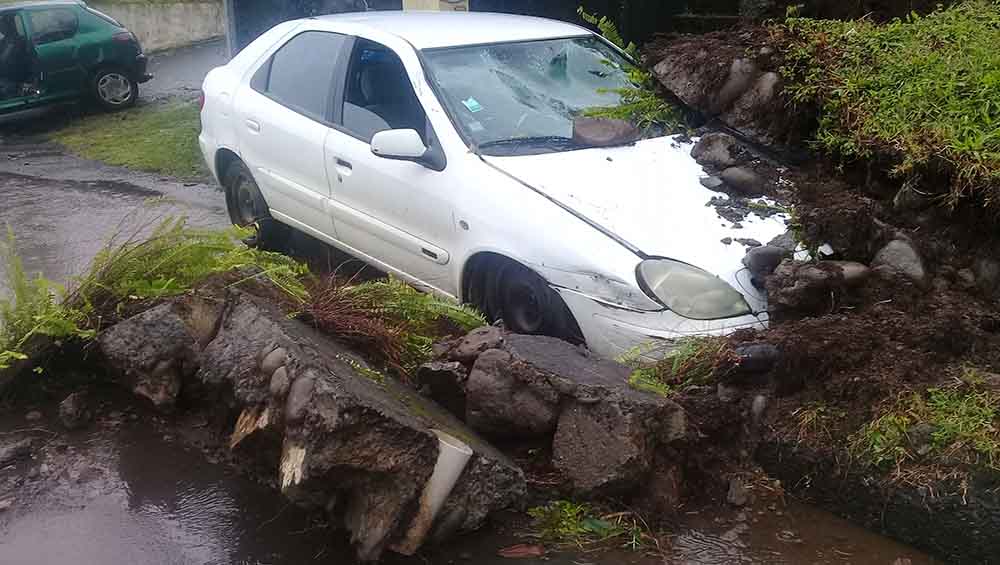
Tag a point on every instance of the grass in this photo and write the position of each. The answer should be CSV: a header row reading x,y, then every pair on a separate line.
x,y
666,368
388,318
920,92
157,138
170,261
962,422
574,525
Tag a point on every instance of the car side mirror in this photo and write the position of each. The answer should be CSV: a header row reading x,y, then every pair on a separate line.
x,y
401,144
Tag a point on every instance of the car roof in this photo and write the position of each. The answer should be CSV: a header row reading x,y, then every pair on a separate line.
x,y
37,3
430,29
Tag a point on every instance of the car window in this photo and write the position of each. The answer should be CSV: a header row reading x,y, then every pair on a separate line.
x,y
379,95
300,74
527,90
52,25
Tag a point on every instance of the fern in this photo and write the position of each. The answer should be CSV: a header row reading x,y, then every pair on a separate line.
x,y
609,30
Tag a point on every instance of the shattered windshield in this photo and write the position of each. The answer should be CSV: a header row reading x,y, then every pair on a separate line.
x,y
515,98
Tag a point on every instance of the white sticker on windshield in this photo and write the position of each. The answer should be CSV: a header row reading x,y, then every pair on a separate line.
x,y
475,126
472,104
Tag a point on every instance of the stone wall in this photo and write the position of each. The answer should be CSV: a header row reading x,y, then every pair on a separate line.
x,y
166,25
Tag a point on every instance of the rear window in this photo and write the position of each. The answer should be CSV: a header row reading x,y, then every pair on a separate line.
x,y
52,25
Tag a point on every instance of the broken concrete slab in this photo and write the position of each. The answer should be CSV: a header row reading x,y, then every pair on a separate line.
x,y
606,433
332,432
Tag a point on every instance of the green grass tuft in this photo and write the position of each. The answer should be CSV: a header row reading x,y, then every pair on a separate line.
x,y
572,524
921,92
668,367
158,138
961,421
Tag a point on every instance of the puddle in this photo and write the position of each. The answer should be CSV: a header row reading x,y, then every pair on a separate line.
x,y
123,493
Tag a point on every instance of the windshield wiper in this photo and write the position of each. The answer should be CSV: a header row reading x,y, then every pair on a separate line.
x,y
556,141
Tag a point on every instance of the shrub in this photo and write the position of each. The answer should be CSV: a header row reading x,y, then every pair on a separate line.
x,y
670,366
922,92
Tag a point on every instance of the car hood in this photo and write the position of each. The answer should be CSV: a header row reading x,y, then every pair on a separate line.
x,y
650,195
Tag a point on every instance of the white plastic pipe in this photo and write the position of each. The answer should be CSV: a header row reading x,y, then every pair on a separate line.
x,y
453,456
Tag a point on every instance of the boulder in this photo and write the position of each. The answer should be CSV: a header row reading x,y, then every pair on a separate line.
x,y
336,434
13,451
152,351
744,181
606,433
762,261
719,150
743,74
509,399
73,411
712,182
604,132
754,105
445,382
681,76
902,257
803,286
855,274
476,342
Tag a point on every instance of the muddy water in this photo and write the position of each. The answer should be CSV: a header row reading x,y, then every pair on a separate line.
x,y
125,493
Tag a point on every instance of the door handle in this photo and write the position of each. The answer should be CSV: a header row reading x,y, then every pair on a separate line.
x,y
253,125
344,169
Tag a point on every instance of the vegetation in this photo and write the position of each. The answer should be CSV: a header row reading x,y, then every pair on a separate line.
x,y
34,309
577,525
953,425
159,138
921,92
388,318
640,104
671,366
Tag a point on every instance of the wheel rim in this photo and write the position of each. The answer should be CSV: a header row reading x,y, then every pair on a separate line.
x,y
523,307
114,89
246,205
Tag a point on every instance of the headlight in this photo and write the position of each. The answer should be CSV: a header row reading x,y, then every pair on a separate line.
x,y
690,291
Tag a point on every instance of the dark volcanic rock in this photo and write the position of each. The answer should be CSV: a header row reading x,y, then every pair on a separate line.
x,y
13,451
719,150
73,411
602,132
901,256
153,351
475,342
744,181
606,433
803,287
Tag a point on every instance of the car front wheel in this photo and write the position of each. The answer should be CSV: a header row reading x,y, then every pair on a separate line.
x,y
114,89
513,293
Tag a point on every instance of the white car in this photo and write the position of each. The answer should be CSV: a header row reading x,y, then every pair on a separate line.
x,y
439,147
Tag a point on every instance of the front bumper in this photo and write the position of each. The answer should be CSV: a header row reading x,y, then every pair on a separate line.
x,y
611,331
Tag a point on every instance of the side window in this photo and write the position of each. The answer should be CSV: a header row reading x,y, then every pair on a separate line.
x,y
378,93
52,25
300,74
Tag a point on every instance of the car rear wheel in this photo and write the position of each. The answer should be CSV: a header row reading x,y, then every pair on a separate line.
x,y
513,293
114,89
247,208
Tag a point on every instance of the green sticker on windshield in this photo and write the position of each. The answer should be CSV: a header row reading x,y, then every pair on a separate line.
x,y
472,104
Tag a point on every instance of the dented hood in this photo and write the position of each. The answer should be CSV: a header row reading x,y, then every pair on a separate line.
x,y
649,195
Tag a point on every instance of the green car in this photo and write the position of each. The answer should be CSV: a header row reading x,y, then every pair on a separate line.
x,y
57,51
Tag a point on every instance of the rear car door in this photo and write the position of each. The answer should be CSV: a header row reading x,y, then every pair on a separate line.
x,y
283,114
53,34
396,212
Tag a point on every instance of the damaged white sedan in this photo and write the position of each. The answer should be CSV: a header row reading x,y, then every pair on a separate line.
x,y
440,147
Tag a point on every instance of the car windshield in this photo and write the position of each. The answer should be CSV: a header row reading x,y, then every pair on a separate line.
x,y
520,98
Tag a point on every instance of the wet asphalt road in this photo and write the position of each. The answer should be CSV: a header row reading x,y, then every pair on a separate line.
x,y
181,71
63,209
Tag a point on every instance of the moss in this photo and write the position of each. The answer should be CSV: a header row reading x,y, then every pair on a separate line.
x,y
921,92
158,138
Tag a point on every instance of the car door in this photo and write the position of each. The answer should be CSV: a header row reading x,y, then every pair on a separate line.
x,y
53,35
394,212
283,114
12,95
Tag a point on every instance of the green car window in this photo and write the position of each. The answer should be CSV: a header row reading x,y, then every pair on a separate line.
x,y
52,25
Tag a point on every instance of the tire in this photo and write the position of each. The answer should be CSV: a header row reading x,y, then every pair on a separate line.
x,y
114,89
247,208
525,302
